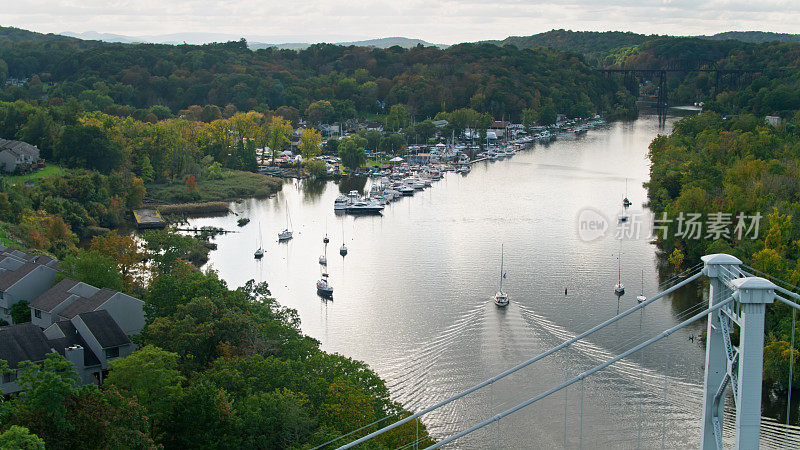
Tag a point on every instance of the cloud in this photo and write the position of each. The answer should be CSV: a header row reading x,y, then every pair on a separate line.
x,y
445,21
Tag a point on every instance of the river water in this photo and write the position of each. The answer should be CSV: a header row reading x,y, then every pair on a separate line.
x,y
413,297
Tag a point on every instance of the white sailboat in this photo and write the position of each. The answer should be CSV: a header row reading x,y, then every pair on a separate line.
x,y
641,298
619,288
258,254
501,298
286,234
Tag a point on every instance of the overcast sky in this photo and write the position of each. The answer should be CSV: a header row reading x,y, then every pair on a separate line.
x,y
437,21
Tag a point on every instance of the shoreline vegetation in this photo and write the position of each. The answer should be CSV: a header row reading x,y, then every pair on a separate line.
x,y
722,167
231,186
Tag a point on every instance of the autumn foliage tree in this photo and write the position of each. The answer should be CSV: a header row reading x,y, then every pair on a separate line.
x,y
278,135
48,232
310,140
124,250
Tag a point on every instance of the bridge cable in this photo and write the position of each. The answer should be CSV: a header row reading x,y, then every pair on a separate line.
x,y
772,277
497,443
624,345
641,400
416,443
580,427
679,316
585,374
791,374
664,416
355,431
523,364
566,377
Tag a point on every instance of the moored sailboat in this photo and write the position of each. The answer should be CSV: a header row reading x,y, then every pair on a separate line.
x,y
286,234
258,254
619,288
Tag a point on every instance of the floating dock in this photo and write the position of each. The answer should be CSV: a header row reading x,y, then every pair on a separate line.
x,y
148,218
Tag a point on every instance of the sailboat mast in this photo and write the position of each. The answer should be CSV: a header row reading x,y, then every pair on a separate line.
x,y
619,268
288,219
501,267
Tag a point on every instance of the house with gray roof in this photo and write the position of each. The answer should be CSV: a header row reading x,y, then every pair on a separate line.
x,y
69,298
89,341
16,154
23,277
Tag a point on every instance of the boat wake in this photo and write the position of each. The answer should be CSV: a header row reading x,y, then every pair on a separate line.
x,y
624,405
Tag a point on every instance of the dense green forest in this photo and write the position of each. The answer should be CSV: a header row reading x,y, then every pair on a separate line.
x,y
218,368
772,87
107,163
594,45
728,165
130,79
737,167
755,36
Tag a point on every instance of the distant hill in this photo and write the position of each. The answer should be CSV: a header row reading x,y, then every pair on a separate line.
x,y
756,37
391,42
377,43
576,41
18,35
171,39
254,42
595,46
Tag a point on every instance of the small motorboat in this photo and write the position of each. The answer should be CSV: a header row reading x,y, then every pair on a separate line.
x,y
363,207
259,253
343,250
341,202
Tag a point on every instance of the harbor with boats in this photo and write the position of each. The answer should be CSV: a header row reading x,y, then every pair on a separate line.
x,y
426,165
414,288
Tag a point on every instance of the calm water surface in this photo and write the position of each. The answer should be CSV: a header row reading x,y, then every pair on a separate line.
x,y
413,296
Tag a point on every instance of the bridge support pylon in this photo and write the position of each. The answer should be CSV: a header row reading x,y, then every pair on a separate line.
x,y
726,365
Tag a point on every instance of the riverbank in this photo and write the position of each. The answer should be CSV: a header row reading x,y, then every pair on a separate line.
x,y
233,185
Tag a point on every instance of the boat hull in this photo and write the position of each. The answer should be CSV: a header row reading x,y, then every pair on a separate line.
x,y
501,299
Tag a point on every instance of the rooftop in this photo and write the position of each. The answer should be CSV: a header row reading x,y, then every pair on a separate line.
x,y
9,277
104,329
87,304
23,342
72,338
54,296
